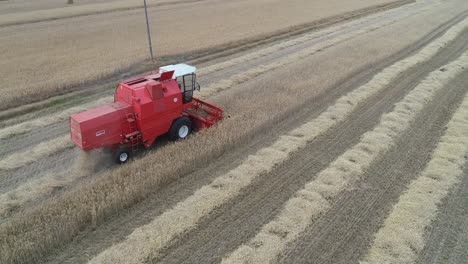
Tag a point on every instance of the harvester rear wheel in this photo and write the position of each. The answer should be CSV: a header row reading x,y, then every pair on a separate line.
x,y
180,129
121,155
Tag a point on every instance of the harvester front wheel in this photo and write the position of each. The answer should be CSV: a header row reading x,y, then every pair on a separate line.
x,y
180,129
121,155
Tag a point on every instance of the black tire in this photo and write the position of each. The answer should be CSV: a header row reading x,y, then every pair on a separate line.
x,y
121,155
180,129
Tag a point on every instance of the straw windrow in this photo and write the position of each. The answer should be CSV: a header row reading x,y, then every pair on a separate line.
x,y
315,198
147,241
402,236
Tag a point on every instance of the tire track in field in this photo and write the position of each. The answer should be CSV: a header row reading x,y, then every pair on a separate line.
x,y
343,234
401,238
315,198
138,246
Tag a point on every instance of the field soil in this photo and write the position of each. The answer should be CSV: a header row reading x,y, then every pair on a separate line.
x,y
266,89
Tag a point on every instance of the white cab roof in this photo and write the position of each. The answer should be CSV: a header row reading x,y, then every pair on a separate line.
x,y
179,69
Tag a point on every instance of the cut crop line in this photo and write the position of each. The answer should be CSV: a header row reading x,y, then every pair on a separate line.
x,y
316,197
401,237
250,74
19,159
147,241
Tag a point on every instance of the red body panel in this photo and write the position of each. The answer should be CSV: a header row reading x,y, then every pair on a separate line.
x,y
99,127
143,108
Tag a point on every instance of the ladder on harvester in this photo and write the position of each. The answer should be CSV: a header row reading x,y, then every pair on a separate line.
x,y
134,136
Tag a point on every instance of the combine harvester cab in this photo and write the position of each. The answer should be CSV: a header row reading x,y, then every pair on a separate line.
x,y
145,108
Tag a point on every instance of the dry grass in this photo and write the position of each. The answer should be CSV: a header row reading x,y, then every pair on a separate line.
x,y
47,58
142,243
28,237
315,198
402,236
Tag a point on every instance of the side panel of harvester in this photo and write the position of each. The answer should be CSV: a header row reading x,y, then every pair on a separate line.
x,y
156,105
158,112
98,127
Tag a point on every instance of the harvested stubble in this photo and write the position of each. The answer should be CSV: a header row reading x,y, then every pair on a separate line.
x,y
77,10
250,74
30,125
316,197
19,159
293,42
402,236
147,241
33,190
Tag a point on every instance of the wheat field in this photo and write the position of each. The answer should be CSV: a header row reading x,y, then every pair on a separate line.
x,y
305,118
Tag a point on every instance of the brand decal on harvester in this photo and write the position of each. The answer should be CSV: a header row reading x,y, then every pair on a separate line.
x,y
100,133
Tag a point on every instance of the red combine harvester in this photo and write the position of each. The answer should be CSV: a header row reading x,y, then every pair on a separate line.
x,y
145,108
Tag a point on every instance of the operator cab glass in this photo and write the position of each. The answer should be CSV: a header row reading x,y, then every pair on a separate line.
x,y
186,79
187,84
